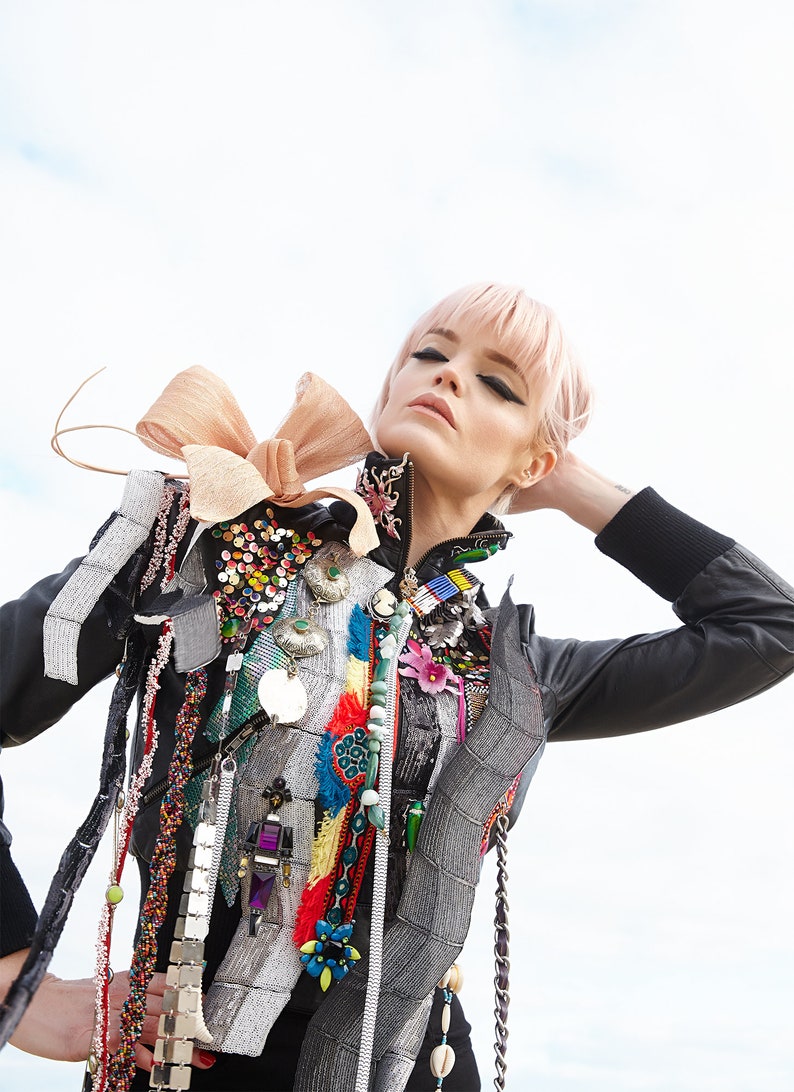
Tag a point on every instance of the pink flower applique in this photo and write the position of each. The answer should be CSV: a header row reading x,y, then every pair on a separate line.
x,y
420,665
379,496
378,501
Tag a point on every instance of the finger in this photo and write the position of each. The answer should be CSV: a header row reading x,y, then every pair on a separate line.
x,y
157,986
203,1059
144,1059
149,1030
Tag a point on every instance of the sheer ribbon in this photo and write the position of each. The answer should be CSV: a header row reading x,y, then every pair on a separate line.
x,y
198,419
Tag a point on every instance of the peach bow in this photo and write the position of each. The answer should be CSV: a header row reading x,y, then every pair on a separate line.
x,y
198,419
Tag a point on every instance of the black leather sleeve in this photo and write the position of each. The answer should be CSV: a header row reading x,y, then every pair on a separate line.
x,y
30,703
737,638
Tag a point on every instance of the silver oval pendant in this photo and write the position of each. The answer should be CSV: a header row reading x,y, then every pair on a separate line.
x,y
299,636
328,582
282,696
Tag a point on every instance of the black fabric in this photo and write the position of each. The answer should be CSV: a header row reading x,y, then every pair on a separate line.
x,y
17,911
662,546
274,1069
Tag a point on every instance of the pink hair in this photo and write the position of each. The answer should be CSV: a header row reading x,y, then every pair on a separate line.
x,y
531,335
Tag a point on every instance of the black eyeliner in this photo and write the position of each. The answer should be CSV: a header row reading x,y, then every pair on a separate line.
x,y
501,389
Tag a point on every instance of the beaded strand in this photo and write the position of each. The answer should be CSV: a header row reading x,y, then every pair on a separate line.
x,y
160,532
121,1069
103,975
442,1058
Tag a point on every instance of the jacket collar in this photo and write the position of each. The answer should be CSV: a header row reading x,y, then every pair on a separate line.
x,y
386,486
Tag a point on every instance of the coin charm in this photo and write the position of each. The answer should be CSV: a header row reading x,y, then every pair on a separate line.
x,y
282,696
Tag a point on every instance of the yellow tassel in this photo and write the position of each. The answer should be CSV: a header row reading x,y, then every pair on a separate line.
x,y
325,847
357,681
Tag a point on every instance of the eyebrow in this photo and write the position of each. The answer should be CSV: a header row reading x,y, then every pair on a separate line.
x,y
497,358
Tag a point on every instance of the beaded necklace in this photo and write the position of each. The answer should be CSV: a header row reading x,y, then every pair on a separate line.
x,y
123,820
121,1068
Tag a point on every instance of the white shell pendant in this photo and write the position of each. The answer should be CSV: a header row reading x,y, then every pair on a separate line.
x,y
282,696
442,1060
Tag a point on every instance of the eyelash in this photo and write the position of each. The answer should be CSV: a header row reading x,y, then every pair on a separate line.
x,y
498,386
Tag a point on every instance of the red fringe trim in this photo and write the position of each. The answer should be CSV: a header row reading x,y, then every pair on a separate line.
x,y
310,910
349,714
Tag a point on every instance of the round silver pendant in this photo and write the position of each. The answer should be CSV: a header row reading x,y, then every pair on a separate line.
x,y
329,583
299,636
282,696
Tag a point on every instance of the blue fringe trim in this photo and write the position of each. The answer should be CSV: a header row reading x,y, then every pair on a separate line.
x,y
359,634
333,794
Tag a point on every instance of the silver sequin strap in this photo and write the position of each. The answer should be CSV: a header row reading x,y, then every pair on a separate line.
x,y
77,598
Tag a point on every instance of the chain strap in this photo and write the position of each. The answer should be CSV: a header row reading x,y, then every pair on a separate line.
x,y
501,951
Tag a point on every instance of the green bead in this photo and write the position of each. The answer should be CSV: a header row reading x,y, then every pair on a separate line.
x,y
379,687
413,822
230,627
373,745
300,625
114,894
376,816
372,770
333,572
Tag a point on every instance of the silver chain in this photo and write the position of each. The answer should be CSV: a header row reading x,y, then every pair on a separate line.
x,y
501,951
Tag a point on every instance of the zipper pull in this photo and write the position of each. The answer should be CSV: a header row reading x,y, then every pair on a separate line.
x,y
254,725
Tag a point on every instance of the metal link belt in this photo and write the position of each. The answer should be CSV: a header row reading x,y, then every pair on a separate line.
x,y
501,951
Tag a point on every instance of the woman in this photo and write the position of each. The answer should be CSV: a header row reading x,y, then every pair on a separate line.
x,y
334,636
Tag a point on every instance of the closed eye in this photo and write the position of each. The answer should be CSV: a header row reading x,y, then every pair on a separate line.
x,y
501,388
430,354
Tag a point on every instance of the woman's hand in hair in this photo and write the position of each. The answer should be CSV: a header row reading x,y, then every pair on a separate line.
x,y
577,489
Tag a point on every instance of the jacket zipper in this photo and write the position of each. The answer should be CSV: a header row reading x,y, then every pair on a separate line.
x,y
415,569
231,745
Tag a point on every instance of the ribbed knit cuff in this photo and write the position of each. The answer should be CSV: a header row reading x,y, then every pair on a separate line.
x,y
17,914
660,545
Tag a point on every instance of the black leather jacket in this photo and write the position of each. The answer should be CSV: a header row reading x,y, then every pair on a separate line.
x,y
737,639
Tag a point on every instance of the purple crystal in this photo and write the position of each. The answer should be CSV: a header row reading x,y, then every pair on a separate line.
x,y
269,836
261,886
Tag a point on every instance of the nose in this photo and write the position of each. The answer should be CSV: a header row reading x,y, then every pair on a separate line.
x,y
448,375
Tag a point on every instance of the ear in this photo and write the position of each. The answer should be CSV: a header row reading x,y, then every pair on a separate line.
x,y
538,468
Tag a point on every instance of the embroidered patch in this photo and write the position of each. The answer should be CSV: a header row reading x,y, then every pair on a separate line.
x,y
378,490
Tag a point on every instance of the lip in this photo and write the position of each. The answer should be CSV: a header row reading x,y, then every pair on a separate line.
x,y
437,407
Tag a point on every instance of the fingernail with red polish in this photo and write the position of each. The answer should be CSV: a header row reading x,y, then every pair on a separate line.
x,y
206,1058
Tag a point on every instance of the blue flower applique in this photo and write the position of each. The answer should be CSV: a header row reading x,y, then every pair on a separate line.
x,y
330,956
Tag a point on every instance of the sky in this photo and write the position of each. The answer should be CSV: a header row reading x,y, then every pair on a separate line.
x,y
266,189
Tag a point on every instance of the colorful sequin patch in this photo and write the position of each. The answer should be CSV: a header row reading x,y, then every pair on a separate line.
x,y
257,563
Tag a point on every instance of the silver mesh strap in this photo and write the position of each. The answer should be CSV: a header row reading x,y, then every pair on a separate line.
x,y
80,594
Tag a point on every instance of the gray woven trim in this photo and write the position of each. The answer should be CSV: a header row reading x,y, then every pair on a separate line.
x,y
78,597
435,909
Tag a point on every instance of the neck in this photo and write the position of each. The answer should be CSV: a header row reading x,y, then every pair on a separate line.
x,y
437,517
